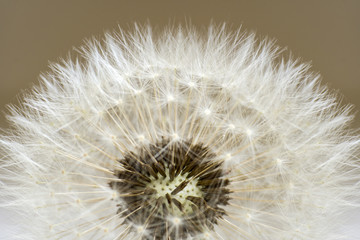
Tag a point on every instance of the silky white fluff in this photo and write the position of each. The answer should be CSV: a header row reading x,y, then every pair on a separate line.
x,y
289,154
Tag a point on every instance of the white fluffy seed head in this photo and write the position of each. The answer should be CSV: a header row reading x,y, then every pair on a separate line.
x,y
288,166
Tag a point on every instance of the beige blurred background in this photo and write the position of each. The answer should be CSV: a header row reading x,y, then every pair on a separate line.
x,y
32,33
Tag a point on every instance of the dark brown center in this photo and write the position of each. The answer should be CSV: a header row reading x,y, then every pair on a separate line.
x,y
171,190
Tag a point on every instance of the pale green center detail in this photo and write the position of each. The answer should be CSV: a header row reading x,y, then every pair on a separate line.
x,y
164,186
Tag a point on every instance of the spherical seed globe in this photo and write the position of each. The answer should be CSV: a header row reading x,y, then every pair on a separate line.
x,y
180,136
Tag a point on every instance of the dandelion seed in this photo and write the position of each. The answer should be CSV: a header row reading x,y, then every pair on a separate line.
x,y
180,136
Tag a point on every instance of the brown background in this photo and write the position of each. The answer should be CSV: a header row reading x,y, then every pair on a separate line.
x,y
32,33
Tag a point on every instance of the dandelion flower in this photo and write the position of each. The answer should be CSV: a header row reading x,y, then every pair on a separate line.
x,y
180,136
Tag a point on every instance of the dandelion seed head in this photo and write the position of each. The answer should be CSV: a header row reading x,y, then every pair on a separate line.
x,y
180,136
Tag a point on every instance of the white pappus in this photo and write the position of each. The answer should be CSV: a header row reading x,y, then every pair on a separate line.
x,y
180,135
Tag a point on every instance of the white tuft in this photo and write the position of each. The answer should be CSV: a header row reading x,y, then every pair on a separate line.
x,y
288,153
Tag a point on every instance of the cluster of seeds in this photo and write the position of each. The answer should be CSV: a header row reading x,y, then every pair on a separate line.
x,y
172,190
